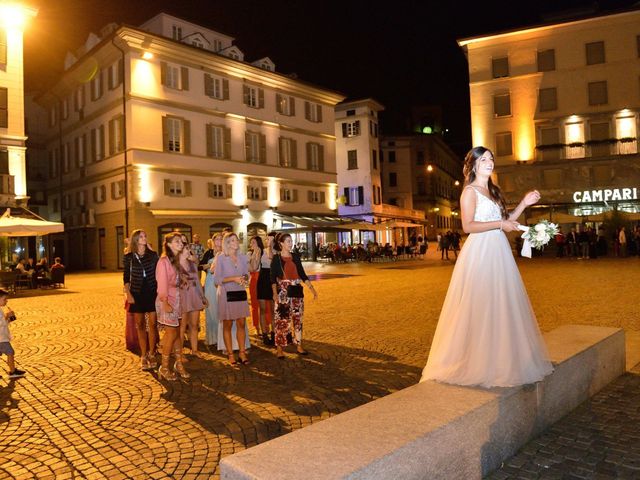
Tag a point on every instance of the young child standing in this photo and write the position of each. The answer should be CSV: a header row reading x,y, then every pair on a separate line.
x,y
7,316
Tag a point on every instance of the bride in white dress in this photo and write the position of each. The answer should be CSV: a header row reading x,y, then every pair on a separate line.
x,y
487,333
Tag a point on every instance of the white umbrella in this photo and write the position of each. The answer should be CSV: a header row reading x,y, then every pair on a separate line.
x,y
26,227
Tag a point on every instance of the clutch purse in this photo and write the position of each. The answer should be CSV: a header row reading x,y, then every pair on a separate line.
x,y
295,291
237,296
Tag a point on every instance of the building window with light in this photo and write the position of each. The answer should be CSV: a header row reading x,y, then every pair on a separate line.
x,y
177,188
216,87
253,96
175,133
500,67
313,112
218,141
287,152
504,144
285,105
598,93
546,60
315,157
116,135
548,99
595,53
502,105
351,129
100,194
4,108
255,146
174,76
355,196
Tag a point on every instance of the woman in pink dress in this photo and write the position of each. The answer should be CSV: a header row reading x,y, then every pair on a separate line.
x,y
193,299
168,302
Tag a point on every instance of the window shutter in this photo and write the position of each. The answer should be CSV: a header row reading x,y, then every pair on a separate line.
x,y
295,194
184,78
113,191
112,140
165,134
247,146
360,195
101,133
120,72
121,137
245,95
187,188
322,197
292,106
260,98
209,134
167,186
225,89
321,157
163,73
310,196
280,151
94,150
278,103
229,190
263,148
208,85
346,194
104,192
294,153
282,194
307,110
308,145
210,189
344,129
186,126
248,192
226,132
95,194
264,193
319,115
101,83
4,107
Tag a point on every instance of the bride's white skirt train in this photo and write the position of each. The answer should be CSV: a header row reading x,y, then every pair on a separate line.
x,y
487,333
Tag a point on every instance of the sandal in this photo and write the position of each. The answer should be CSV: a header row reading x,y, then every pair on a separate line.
x,y
245,360
232,360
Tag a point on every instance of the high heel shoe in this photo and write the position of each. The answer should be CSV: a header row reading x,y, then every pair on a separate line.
x,y
179,367
153,363
164,371
232,360
243,358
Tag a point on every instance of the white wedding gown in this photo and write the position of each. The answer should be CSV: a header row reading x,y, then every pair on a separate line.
x,y
487,333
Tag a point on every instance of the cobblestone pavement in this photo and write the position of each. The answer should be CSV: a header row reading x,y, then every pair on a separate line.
x,y
86,411
598,440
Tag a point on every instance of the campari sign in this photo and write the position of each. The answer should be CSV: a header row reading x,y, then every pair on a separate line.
x,y
605,195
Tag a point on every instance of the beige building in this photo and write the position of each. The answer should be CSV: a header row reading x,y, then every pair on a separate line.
x,y
167,127
558,104
360,186
422,171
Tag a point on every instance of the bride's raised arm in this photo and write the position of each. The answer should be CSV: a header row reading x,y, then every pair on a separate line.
x,y
531,198
467,212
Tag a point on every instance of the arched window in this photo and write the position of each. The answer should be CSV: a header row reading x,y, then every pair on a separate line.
x,y
218,228
256,228
183,228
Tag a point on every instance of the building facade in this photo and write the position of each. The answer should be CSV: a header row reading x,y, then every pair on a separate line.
x,y
422,171
558,104
360,187
166,127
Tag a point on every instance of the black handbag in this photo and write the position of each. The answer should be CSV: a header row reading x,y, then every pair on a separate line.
x,y
295,291
237,296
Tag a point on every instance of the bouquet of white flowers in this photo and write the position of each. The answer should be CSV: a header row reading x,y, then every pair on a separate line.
x,y
537,236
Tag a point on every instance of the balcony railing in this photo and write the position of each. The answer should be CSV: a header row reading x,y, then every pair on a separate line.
x,y
588,149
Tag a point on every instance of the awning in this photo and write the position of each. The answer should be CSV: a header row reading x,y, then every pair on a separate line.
x,y
21,226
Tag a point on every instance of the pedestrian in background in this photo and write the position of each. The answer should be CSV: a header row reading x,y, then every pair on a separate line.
x,y
140,288
559,243
232,276
287,277
7,316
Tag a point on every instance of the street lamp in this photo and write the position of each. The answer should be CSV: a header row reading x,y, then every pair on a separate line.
x,y
429,168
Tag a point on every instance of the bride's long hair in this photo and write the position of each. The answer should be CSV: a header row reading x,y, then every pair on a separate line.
x,y
469,173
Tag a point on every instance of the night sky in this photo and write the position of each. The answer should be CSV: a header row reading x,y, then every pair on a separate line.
x,y
401,53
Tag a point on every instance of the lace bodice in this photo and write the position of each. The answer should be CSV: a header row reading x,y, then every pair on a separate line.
x,y
486,209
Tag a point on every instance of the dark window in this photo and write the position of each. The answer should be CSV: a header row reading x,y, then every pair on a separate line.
x,y
391,156
420,157
500,67
352,156
393,180
504,144
502,105
548,99
598,93
546,60
351,113
595,53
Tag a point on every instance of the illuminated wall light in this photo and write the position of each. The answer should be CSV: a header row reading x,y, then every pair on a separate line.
x,y
145,195
333,197
239,186
429,168
273,193
626,127
575,132
144,78
15,16
147,55
526,141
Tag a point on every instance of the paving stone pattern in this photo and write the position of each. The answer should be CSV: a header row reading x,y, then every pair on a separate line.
x,y
85,410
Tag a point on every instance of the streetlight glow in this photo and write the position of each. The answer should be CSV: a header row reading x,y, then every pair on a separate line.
x,y
429,168
14,15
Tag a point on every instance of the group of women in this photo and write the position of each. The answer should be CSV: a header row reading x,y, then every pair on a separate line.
x,y
165,291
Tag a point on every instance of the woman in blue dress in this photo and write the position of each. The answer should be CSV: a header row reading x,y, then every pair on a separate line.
x,y
210,292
